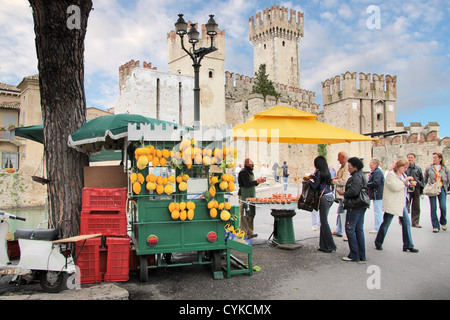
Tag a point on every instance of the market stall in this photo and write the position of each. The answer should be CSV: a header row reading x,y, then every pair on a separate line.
x,y
178,192
283,124
177,189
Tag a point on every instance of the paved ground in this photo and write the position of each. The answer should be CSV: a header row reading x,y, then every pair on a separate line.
x,y
306,273
309,274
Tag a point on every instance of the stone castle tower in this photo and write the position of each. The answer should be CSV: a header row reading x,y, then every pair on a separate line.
x,y
369,108
276,39
212,82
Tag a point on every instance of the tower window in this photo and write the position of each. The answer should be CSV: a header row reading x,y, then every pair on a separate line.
x,y
264,46
284,44
211,74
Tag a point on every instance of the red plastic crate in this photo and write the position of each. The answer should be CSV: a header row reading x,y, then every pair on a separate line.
x,y
118,259
95,199
104,222
88,260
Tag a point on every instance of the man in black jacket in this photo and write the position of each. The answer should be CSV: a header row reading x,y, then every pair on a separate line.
x,y
414,197
247,189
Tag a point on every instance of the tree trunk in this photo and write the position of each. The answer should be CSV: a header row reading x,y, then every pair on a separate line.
x,y
60,52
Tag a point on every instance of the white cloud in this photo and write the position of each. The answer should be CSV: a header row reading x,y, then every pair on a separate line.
x,y
345,11
17,49
327,15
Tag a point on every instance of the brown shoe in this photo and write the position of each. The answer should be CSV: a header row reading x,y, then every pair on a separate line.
x,y
417,226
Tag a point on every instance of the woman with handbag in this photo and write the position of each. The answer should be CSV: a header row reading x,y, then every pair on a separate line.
x,y
394,204
437,176
356,202
321,181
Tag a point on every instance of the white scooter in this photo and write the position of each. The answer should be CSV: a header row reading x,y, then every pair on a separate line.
x,y
39,256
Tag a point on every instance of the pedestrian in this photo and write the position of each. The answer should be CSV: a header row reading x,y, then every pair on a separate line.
x,y
247,189
237,169
285,175
315,220
339,182
333,175
394,204
414,197
264,171
375,185
275,168
354,223
437,171
321,181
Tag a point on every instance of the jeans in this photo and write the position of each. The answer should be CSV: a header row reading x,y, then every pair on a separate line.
x,y
285,180
442,198
354,228
326,242
340,220
315,218
406,229
414,206
378,212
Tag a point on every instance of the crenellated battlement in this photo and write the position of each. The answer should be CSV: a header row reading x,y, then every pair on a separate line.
x,y
345,86
126,69
237,85
276,21
420,140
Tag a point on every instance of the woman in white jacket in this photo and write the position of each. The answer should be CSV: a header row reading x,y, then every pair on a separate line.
x,y
394,204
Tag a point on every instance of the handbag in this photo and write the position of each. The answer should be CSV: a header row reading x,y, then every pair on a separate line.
x,y
310,198
361,201
432,189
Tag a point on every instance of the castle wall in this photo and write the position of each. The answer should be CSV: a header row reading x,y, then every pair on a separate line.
x,y
157,95
422,144
238,92
364,109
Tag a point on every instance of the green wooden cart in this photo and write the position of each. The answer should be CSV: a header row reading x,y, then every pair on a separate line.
x,y
153,230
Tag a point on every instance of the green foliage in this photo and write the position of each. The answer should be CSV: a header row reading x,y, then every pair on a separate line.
x,y
322,150
263,85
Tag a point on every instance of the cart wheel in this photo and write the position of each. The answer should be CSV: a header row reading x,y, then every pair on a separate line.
x,y
143,268
53,281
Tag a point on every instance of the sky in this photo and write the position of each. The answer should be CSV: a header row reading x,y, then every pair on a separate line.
x,y
409,39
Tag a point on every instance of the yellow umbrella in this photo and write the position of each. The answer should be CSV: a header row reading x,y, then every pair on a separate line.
x,y
288,125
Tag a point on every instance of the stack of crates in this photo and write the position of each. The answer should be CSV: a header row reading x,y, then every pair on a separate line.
x,y
106,258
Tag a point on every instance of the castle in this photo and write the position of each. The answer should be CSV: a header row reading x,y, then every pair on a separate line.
x,y
363,103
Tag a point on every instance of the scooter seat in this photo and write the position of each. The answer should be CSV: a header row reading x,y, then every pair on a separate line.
x,y
37,234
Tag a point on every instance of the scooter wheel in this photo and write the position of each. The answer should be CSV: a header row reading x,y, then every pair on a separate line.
x,y
53,281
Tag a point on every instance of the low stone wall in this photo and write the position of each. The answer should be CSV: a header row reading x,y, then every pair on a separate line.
x,y
18,190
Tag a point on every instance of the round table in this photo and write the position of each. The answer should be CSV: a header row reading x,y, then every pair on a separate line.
x,y
283,227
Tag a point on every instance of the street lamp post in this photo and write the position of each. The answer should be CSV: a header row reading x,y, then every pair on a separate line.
x,y
196,55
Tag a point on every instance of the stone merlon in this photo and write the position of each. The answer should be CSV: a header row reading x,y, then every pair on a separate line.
x,y
276,19
370,87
